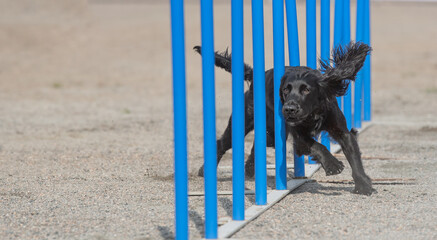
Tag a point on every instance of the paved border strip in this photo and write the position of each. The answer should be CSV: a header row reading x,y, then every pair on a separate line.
x,y
273,197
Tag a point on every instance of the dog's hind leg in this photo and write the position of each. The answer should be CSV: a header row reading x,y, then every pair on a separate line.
x,y
249,167
250,163
224,143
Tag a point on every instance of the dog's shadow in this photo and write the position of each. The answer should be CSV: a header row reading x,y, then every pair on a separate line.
x,y
316,188
311,186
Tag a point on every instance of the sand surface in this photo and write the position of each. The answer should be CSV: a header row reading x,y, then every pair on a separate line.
x,y
86,126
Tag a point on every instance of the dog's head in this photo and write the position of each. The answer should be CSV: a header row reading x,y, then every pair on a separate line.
x,y
300,93
304,90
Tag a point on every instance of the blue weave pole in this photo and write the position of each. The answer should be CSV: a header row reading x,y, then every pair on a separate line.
x,y
293,54
209,139
259,102
311,34
311,41
358,96
293,33
237,110
347,105
367,65
338,33
179,119
325,49
279,65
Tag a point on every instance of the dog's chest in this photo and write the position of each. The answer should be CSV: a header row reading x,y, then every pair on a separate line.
x,y
317,124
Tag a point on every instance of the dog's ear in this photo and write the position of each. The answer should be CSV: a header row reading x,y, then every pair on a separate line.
x,y
347,61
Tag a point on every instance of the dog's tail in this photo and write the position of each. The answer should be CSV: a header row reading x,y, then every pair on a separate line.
x,y
347,61
224,60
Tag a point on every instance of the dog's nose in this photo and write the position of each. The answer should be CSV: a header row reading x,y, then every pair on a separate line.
x,y
291,109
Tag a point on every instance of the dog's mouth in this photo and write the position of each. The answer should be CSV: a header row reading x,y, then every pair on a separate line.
x,y
293,113
293,120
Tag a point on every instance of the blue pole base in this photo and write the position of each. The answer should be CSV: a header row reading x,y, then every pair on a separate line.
x,y
299,166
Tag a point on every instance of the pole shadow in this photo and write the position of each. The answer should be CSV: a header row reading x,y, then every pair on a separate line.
x,y
166,232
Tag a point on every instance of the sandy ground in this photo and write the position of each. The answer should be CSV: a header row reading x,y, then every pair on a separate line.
x,y
86,127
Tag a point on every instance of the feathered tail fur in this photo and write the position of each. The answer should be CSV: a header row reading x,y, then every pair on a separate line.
x,y
224,60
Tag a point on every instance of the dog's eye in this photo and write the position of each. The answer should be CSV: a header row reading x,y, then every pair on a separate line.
x,y
305,91
286,90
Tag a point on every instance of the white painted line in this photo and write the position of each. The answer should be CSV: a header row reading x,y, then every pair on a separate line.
x,y
269,167
335,148
366,125
223,193
310,169
273,166
224,167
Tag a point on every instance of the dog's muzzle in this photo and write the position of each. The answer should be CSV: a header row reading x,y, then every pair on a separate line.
x,y
292,112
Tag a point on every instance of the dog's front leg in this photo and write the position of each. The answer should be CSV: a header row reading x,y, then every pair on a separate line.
x,y
320,153
349,145
330,164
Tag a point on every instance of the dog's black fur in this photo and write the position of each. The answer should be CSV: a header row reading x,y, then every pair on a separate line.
x,y
309,104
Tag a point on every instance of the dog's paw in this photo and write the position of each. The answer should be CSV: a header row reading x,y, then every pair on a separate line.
x,y
200,173
249,170
364,189
363,186
333,167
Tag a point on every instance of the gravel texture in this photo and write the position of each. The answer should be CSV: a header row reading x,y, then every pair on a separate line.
x,y
86,125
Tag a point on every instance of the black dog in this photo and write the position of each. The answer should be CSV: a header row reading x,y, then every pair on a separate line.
x,y
309,107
